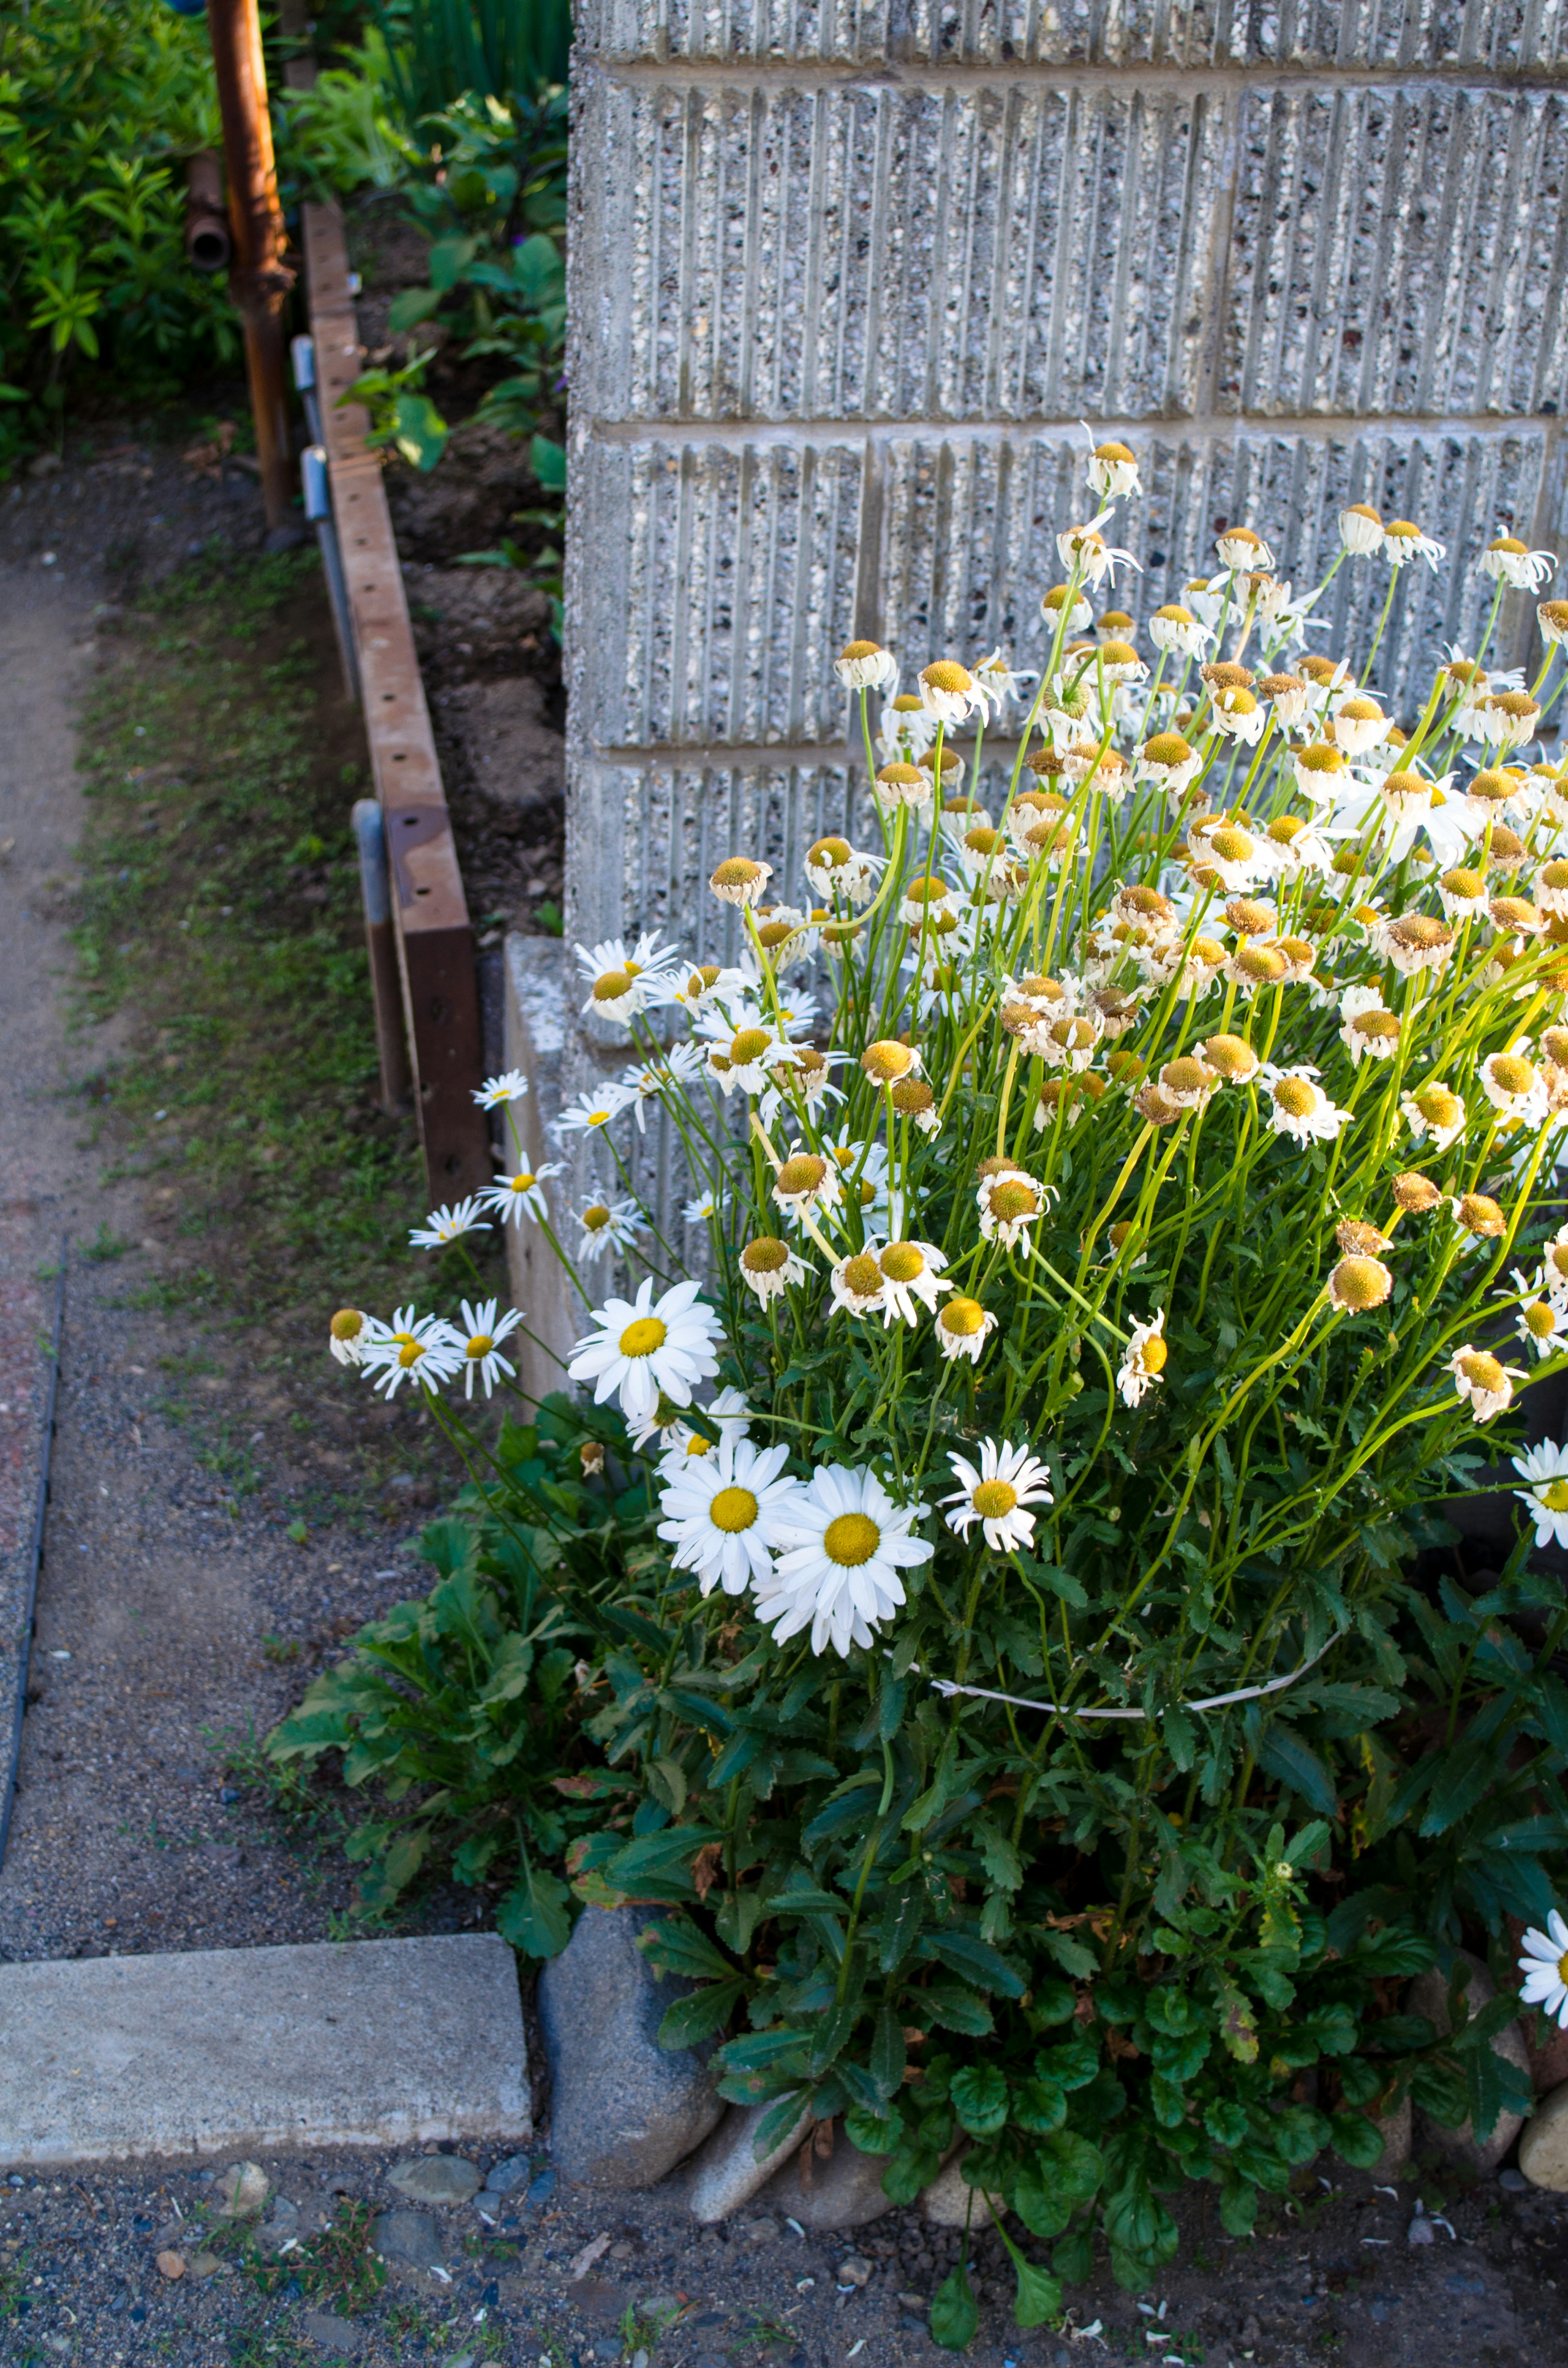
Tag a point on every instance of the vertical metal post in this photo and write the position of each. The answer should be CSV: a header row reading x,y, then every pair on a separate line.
x,y
259,279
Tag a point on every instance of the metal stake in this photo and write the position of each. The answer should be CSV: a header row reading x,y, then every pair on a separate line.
x,y
260,279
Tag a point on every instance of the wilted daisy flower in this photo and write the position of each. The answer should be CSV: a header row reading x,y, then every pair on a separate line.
x,y
1433,1110
907,729
646,1080
1356,1285
739,881
1554,1267
1545,1467
1085,548
1238,546
923,898
1482,1379
1232,1058
1368,1031
1227,850
1289,696
1009,1203
1416,942
946,692
996,683
724,1514
1143,1359
804,1181
1552,887
605,1225
1478,1214
448,1225
479,1338
643,1347
963,1328
1552,618
594,1108
511,1198
350,1333
1415,1194
837,870
495,1092
865,665
1062,600
745,1058
1239,716
859,1285
1359,724
910,1271
768,1266
1507,561
838,1574
1188,1082
1175,628
1112,471
1461,892
901,784
422,1347
1322,770
1537,1322
1297,1106
1402,541
997,1495
623,983
707,983
1169,762
1515,1086
1360,530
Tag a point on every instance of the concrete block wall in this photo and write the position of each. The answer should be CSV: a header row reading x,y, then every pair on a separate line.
x,y
845,279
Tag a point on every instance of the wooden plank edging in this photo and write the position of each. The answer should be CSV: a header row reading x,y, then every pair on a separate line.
x,y
435,940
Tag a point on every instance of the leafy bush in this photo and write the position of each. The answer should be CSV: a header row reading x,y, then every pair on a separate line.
x,y
446,51
98,105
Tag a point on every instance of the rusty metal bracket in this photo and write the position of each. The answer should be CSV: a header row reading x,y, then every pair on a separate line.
x,y
429,911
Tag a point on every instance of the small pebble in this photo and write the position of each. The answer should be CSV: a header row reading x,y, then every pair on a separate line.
x,y
171,2265
854,2270
1514,2181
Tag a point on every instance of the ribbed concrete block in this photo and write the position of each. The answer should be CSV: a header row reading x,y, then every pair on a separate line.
x,y
228,2051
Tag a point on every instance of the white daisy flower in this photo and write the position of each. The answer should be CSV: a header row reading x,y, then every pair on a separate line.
x,y
711,982
1551,615
871,1190
739,881
448,1225
1461,892
1545,1467
997,684
1402,541
625,983
768,1266
1239,547
859,1285
1237,715
726,1512
1111,468
1008,1480
702,1211
911,1271
925,897
595,1106
1515,1086
1085,548
948,692
1360,726
840,872
805,1181
1545,1962
1176,628
511,1198
607,1226
646,1080
1299,1106
1541,1326
1169,762
479,1338
742,1059
1507,561
1483,1380
838,1574
1009,1203
495,1092
1060,599
350,1333
1434,1111
907,731
422,1347
642,1347
1143,1359
963,1328
1360,530
1367,1030
866,665
1554,1267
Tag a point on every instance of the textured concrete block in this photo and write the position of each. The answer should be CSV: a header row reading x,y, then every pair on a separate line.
x,y
227,2051
538,1021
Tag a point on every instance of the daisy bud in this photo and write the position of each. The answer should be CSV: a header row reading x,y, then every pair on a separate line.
x,y
1357,1284
886,1062
866,665
739,881
1240,547
1415,1193
1357,1239
591,1457
1360,530
1552,618
1477,1214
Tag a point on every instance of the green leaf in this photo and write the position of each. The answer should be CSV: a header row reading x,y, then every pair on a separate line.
x,y
1039,2296
1073,2258
532,1915
414,304
980,2099
955,2318
549,463
1068,2168
964,1952
1285,1755
736,1919
888,2052
1357,2140
418,431
902,1919
1225,2121
706,2010
675,1945
953,2008
1238,2206
1040,2106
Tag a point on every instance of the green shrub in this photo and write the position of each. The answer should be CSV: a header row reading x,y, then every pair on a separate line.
x,y
99,103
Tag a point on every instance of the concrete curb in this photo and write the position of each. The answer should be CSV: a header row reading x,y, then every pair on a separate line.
x,y
230,2051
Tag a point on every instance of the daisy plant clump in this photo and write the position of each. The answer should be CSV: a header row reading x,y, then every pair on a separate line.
x,y
1123,1179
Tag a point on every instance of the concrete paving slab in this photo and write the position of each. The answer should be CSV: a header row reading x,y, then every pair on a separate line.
x,y
228,2051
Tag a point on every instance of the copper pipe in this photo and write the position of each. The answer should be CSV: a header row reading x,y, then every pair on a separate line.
x,y
260,279
207,241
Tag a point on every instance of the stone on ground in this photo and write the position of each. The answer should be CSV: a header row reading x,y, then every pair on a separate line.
x,y
242,2191
947,2203
230,2051
844,2189
408,2237
514,2172
1543,2148
727,2173
623,2110
1398,2131
435,2179
1428,1995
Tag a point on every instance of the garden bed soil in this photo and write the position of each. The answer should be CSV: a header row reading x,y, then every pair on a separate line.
x,y
487,651
491,2281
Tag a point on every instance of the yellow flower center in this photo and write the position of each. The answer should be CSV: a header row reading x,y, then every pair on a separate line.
x,y
776,933
732,1509
912,1095
1296,1096
829,853
863,1276
1321,758
735,871
749,1045
1167,749
963,1317
1554,1497
1515,1077
1360,1282
641,1338
765,1255
887,1061
612,984
1483,1372
994,1499
348,1324
901,1262
851,1539
1541,1320
522,1182
1231,1055
853,650
480,1347
1468,885
1439,1108
1153,1354
1013,1198
410,1353
946,675
596,1217
1478,1214
802,1173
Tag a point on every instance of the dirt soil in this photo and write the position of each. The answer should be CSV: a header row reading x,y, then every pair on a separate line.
x,y
1337,2281
491,663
